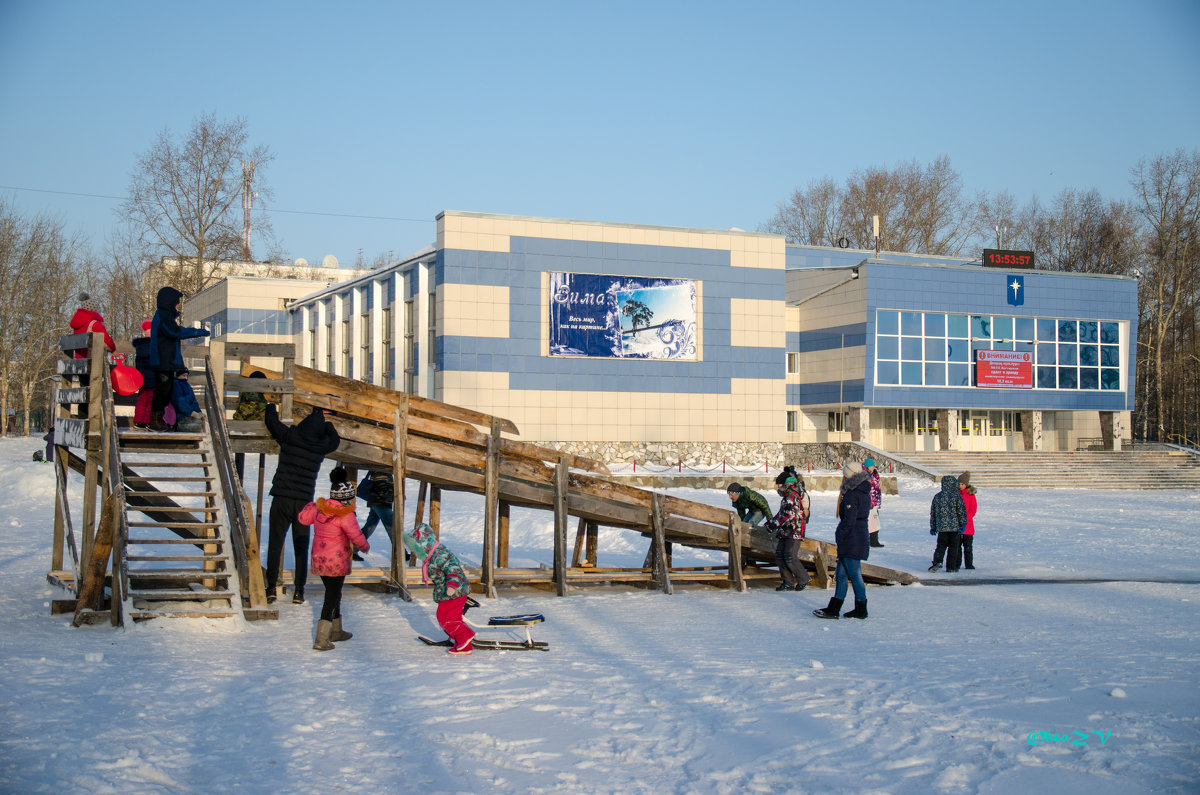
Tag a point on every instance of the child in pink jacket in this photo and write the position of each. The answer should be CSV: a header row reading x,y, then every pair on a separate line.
x,y
335,531
968,534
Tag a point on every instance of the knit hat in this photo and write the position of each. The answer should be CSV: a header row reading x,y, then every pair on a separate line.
x,y
87,302
851,468
870,462
733,488
145,326
341,489
964,479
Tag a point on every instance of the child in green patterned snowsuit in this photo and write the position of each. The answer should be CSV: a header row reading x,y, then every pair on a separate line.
x,y
450,585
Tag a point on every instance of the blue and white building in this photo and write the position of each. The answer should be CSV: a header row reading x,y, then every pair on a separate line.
x,y
609,337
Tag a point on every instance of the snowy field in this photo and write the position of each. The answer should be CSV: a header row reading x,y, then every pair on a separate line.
x,y
1090,686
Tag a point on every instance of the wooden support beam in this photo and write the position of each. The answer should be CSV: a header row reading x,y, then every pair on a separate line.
x,y
491,504
435,510
419,514
560,527
502,534
91,591
580,539
399,473
735,553
593,542
661,563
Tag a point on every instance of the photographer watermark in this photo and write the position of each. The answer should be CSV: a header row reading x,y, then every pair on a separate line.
x,y
1071,738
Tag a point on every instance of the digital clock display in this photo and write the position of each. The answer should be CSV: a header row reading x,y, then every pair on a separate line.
x,y
1002,258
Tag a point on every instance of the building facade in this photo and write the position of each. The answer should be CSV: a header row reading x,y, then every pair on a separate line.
x,y
631,341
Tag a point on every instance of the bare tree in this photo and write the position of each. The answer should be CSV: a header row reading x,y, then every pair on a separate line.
x,y
920,208
39,266
1084,233
185,200
812,217
1167,199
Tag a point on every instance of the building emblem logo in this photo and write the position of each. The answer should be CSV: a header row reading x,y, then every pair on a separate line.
x,y
1015,287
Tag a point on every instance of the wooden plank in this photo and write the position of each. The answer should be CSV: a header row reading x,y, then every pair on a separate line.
x,y
70,432
69,343
69,396
272,350
264,386
75,367
91,590
560,528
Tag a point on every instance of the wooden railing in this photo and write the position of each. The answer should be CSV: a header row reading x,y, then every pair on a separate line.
x,y
242,535
114,491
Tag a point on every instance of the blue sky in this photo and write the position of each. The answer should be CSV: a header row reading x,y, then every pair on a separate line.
x,y
698,114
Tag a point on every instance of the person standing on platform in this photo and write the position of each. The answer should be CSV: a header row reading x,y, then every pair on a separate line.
x,y
302,448
166,356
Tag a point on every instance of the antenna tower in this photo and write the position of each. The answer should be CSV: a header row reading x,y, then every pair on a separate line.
x,y
247,202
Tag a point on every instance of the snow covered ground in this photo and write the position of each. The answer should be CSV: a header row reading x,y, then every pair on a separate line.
x,y
1071,687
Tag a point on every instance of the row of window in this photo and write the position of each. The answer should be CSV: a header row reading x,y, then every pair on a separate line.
x,y
938,349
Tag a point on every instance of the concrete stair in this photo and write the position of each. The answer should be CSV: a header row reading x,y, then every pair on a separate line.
x,y
1133,469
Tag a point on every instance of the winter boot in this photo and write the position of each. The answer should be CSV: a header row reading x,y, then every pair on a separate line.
x,y
464,648
298,596
340,634
859,611
831,610
875,542
271,595
783,587
324,631
157,424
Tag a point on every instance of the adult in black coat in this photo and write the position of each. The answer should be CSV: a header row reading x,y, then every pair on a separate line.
x,y
853,542
302,449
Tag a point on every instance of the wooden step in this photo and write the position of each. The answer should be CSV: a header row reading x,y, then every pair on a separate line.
x,y
177,574
213,540
197,465
167,479
178,596
214,558
174,509
205,494
178,525
138,615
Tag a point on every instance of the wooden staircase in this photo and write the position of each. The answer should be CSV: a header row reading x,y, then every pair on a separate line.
x,y
178,558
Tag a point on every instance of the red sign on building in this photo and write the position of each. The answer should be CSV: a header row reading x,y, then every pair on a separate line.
x,y
1005,369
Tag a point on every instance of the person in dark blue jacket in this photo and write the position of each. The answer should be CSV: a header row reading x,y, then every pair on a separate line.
x,y
853,542
165,355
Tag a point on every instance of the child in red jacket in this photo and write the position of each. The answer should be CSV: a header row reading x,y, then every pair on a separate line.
x,y
968,534
87,318
335,531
